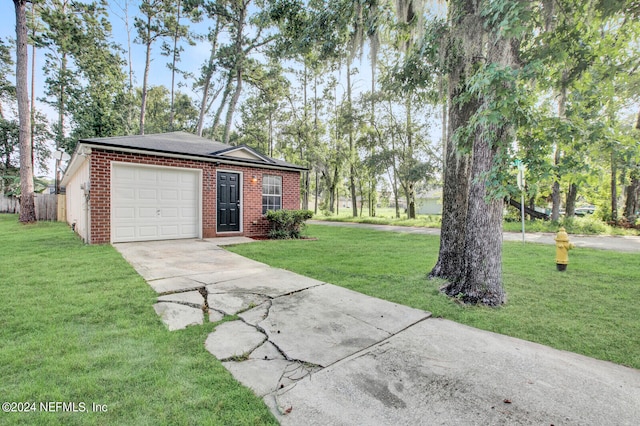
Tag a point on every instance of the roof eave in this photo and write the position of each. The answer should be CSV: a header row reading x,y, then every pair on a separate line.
x,y
77,160
207,158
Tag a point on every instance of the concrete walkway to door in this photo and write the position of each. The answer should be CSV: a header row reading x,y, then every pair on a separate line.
x,y
322,355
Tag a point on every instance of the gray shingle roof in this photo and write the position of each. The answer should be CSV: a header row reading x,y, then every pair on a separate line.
x,y
184,143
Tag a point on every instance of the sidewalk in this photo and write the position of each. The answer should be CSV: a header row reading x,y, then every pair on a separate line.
x,y
627,244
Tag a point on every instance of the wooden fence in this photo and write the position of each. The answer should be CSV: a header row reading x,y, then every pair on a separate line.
x,y
9,204
46,206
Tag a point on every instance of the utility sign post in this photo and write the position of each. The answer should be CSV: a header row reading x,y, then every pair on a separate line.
x,y
521,184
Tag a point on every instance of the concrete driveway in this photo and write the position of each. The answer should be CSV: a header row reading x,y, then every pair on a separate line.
x,y
322,355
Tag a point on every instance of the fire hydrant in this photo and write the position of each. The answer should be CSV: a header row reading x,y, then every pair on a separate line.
x,y
562,249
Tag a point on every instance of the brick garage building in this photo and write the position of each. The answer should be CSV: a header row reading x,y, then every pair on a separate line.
x,y
173,185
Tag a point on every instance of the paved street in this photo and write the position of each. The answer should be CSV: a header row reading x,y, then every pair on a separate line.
x,y
629,244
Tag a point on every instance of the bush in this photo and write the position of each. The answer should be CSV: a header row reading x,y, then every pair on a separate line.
x,y
286,224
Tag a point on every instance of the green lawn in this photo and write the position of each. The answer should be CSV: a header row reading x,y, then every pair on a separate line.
x,y
77,325
591,309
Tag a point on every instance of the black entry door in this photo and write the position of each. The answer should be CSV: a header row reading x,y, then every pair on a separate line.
x,y
228,202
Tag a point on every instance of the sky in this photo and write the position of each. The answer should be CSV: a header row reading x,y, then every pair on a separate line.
x,y
192,57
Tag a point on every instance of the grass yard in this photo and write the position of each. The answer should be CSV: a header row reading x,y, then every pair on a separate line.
x,y
591,309
77,325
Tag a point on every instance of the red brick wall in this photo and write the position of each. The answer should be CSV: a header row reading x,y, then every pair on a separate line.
x,y
253,225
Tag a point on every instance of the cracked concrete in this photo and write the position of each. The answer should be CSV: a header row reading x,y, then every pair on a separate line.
x,y
177,316
189,298
321,354
233,339
336,323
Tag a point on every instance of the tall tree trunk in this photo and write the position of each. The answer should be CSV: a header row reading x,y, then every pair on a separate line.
x,y
394,169
572,195
361,195
352,153
125,10
232,107
444,130
27,202
145,78
411,193
203,104
481,281
60,139
316,136
307,189
333,189
130,115
208,76
173,66
32,110
463,17
614,187
531,202
555,191
396,195
227,90
315,201
555,201
332,199
373,190
631,199
306,185
239,70
482,276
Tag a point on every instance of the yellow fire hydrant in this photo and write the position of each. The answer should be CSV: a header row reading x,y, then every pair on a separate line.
x,y
562,249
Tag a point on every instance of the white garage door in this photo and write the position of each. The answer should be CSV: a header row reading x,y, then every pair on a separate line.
x,y
154,203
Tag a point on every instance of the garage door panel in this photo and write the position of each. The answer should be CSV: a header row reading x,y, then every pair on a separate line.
x,y
147,231
125,232
146,174
189,195
169,213
146,212
124,193
169,195
148,194
124,213
125,174
150,203
187,212
169,177
188,179
169,231
186,229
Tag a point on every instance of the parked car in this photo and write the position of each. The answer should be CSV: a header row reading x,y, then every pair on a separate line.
x,y
583,211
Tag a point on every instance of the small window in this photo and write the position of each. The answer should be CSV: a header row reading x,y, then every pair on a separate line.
x,y
271,193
